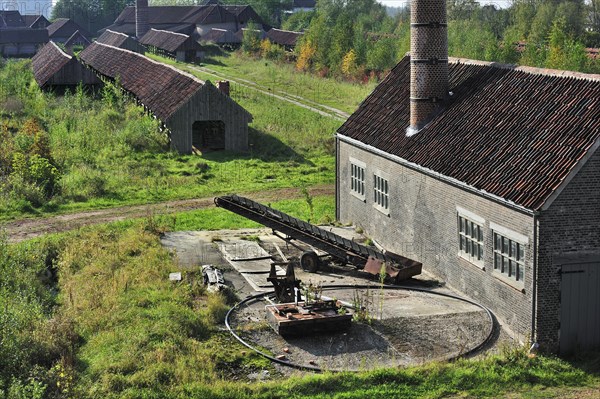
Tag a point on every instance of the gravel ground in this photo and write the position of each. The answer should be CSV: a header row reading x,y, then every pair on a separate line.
x,y
401,327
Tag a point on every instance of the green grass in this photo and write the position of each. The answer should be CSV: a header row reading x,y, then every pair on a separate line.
x,y
109,153
279,76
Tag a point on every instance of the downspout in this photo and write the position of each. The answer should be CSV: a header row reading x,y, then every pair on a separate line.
x,y
534,280
337,180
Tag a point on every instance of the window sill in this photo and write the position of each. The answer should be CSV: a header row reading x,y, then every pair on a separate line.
x,y
477,264
519,286
358,196
386,212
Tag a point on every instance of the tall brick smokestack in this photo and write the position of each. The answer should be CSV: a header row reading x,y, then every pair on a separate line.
x,y
141,18
429,60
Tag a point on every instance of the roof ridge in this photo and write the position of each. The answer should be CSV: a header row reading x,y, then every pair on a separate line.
x,y
528,69
117,33
283,30
155,62
70,57
168,31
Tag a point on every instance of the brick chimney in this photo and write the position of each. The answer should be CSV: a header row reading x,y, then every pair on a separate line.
x,y
223,85
141,18
428,61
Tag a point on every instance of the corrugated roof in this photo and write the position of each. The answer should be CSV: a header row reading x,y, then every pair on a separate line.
x,y
23,35
161,88
48,61
169,41
514,132
283,37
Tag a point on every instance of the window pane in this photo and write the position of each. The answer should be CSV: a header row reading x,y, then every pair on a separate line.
x,y
511,268
468,247
504,245
513,249
521,252
462,224
480,252
462,243
468,228
520,272
480,234
386,187
497,261
504,265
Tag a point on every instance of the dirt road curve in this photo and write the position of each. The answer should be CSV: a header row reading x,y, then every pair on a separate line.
x,y
25,229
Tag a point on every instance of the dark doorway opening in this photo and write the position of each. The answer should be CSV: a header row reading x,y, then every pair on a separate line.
x,y
208,135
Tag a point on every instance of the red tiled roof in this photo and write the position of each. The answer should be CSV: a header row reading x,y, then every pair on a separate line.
x,y
161,88
283,37
169,41
514,132
48,61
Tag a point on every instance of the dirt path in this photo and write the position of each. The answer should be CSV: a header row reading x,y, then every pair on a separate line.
x,y
25,229
321,109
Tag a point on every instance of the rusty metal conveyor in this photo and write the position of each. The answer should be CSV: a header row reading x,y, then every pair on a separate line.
x,y
343,250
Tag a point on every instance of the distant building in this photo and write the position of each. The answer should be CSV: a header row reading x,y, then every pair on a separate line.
x,y
120,40
63,28
198,116
77,39
36,21
285,38
222,37
21,42
195,21
174,45
55,69
303,5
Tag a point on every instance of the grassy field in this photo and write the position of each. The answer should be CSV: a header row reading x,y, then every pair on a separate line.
x,y
104,151
111,325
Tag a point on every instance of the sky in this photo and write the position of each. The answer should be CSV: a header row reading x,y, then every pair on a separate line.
x,y
25,7
402,3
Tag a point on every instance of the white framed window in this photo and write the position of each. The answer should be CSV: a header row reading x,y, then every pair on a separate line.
x,y
381,190
357,178
509,257
471,239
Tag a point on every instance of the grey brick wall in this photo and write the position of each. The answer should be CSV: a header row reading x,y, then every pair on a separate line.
x,y
422,225
570,225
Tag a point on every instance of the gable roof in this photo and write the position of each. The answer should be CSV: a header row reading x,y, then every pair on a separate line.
x,y
200,15
11,19
65,27
283,37
221,36
35,21
23,35
77,38
161,88
47,62
112,38
513,132
169,41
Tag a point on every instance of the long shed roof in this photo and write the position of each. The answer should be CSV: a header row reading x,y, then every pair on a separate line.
x,y
23,35
169,41
47,62
514,132
161,88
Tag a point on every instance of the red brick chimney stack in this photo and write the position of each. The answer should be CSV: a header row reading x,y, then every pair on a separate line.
x,y
141,18
429,60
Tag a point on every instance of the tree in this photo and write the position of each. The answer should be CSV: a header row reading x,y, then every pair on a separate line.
x,y
251,38
564,52
90,14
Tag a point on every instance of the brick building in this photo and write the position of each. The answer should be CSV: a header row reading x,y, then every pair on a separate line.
x,y
490,176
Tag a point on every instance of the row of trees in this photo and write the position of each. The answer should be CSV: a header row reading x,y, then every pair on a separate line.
x,y
355,38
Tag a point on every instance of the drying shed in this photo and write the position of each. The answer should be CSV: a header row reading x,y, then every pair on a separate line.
x,y
174,45
53,68
196,113
63,28
21,42
285,38
77,39
489,175
36,21
222,37
120,40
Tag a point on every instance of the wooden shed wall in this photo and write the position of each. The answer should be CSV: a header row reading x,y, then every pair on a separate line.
x,y
73,73
209,104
